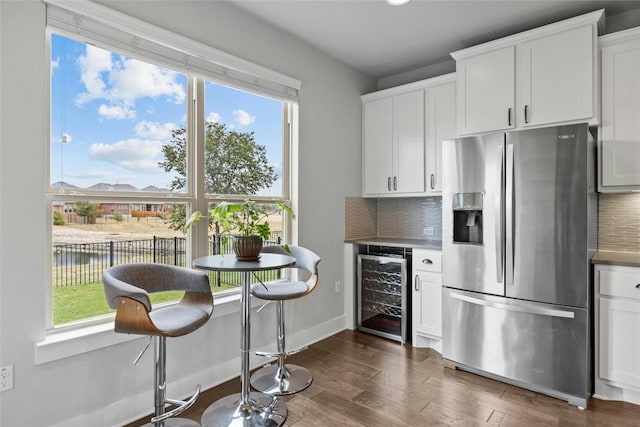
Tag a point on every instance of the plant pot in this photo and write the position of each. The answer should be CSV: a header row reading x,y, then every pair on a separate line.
x,y
247,248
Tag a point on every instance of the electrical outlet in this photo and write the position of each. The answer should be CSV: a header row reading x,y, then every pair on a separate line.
x,y
6,378
338,286
428,231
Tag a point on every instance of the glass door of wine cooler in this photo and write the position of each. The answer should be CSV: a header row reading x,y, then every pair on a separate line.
x,y
382,296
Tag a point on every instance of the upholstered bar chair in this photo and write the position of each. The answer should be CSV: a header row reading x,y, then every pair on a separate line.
x,y
279,378
127,288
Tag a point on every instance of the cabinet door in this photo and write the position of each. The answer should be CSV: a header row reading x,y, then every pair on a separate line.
x,y
486,91
619,336
427,304
377,145
408,117
555,78
440,124
620,132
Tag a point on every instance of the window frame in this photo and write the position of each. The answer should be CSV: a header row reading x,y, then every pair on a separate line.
x,y
194,197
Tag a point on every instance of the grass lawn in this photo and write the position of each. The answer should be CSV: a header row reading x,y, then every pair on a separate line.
x,y
83,301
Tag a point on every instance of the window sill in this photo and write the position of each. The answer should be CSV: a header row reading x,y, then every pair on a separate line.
x,y
62,344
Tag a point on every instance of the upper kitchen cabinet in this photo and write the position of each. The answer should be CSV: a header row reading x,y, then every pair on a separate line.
x,y
440,125
486,91
393,144
539,77
377,150
619,141
403,129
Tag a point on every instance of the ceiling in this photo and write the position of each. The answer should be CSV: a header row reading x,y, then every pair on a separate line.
x,y
383,40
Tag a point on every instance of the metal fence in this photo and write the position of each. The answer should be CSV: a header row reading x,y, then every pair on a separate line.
x,y
83,263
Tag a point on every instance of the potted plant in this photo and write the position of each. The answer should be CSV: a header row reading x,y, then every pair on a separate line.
x,y
246,222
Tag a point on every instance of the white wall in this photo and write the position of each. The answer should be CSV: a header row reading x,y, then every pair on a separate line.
x,y
101,387
417,74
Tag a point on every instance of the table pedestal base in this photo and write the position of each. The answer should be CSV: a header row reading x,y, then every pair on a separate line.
x,y
262,410
279,380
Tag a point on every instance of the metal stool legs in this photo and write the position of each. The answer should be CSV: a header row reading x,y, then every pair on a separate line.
x,y
279,379
161,417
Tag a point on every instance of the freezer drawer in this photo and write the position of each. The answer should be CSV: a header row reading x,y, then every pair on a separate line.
x,y
537,346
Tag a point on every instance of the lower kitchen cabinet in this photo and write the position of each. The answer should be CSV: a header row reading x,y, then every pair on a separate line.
x,y
618,333
427,299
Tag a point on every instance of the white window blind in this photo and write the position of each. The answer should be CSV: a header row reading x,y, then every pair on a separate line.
x,y
106,28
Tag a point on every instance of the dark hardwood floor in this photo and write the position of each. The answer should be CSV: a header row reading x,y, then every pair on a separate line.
x,y
363,380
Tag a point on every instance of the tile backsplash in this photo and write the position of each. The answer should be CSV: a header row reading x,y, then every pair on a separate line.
x,y
618,219
619,222
360,217
394,217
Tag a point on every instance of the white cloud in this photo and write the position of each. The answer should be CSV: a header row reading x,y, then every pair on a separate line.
x,y
92,65
116,111
243,118
214,117
132,154
135,79
66,138
121,81
154,130
54,65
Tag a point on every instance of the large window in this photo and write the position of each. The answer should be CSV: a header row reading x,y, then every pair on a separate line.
x,y
134,148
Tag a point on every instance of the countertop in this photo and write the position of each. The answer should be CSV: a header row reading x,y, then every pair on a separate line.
x,y
629,259
398,241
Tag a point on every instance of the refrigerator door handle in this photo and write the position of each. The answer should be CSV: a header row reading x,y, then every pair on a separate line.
x,y
499,215
509,212
520,308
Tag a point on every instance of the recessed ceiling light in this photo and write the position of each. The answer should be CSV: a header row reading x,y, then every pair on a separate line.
x,y
397,2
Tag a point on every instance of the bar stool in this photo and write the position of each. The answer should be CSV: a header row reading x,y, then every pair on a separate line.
x,y
127,288
279,379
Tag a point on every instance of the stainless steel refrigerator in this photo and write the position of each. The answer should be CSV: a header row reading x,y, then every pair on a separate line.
x,y
519,229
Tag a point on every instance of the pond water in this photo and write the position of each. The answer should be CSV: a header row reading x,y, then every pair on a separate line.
x,y
68,259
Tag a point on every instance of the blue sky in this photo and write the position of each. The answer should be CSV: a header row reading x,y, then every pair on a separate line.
x,y
115,113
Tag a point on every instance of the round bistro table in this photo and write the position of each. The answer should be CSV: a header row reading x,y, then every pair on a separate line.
x,y
246,408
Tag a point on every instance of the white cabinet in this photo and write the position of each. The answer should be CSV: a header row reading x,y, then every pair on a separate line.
x,y
377,145
555,78
539,77
440,125
393,144
619,141
403,129
486,91
618,332
427,299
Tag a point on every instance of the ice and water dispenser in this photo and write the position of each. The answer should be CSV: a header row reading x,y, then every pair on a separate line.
x,y
467,218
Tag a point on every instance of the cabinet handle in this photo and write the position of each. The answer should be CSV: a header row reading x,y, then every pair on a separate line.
x,y
433,181
638,286
526,114
509,116
427,261
416,283
389,183
395,183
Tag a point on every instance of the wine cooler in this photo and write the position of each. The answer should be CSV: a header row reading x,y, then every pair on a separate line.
x,y
383,297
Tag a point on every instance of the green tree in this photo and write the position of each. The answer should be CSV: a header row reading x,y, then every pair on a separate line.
x,y
58,218
234,164
88,210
